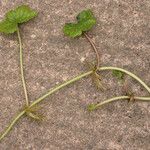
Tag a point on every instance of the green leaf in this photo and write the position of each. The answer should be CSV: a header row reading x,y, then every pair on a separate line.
x,y
21,14
7,27
86,21
91,107
72,30
14,17
118,74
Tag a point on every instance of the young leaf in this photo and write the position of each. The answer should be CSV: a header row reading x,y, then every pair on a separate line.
x,y
118,74
7,27
91,107
21,14
14,17
72,30
86,21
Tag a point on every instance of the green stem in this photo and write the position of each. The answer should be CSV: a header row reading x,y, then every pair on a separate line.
x,y
12,124
95,106
128,73
21,68
53,90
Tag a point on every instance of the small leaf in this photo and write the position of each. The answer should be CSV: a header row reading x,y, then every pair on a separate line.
x,y
72,30
86,21
7,27
118,74
12,18
91,107
21,14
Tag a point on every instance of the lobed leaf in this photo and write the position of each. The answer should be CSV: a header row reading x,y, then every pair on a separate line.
x,y
21,14
118,74
72,30
86,21
14,17
7,27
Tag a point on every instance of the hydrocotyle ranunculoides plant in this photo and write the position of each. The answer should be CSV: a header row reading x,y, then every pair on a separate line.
x,y
85,21
15,17
10,24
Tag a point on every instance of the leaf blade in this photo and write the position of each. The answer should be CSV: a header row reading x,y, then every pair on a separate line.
x,y
118,74
12,18
21,14
7,27
72,30
86,20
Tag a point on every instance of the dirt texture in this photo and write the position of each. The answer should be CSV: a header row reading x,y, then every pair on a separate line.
x,y
122,35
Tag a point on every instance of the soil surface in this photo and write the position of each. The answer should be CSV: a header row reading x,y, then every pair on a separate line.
x,y
122,35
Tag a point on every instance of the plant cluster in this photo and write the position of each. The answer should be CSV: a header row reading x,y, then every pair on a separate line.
x,y
85,21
